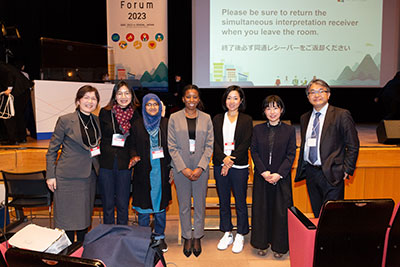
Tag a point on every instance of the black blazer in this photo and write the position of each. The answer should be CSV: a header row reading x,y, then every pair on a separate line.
x,y
108,152
141,175
339,145
11,76
243,133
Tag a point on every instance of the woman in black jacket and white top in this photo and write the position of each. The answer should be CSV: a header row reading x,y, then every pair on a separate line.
x,y
232,131
116,121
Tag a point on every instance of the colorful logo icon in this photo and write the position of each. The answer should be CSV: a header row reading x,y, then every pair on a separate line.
x,y
130,37
159,37
115,37
144,37
123,44
152,44
137,44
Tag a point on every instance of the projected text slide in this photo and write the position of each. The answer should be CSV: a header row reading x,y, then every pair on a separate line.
x,y
290,42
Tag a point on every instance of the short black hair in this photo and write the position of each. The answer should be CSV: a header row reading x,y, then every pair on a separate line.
x,y
319,82
273,100
200,105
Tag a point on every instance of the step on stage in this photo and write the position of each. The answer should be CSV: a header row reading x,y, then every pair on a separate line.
x,y
377,174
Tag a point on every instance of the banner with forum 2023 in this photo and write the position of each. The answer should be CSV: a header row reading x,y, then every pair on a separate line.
x,y
137,41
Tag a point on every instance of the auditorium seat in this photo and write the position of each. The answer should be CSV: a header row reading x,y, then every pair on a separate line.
x,y
20,257
391,255
348,233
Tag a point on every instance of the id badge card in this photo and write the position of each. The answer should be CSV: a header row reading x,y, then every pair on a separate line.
x,y
118,140
157,153
229,147
192,145
312,142
94,151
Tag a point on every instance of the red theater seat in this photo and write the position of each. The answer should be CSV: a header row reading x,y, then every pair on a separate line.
x,y
348,233
391,255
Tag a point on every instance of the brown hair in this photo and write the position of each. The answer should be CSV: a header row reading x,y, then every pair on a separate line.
x,y
86,89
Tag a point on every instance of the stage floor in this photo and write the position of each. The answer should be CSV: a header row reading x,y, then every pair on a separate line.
x,y
366,134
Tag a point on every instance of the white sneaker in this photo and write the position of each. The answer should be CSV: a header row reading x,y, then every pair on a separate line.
x,y
238,244
225,241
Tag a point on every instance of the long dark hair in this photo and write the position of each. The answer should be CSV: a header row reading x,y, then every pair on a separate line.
x,y
134,102
238,89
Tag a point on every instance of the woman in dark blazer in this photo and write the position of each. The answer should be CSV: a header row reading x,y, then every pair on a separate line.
x,y
273,149
151,161
116,122
232,138
190,144
72,177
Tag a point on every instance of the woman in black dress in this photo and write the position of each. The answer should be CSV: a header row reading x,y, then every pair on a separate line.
x,y
273,149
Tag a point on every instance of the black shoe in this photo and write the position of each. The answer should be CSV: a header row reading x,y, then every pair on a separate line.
x,y
196,247
22,141
163,246
187,247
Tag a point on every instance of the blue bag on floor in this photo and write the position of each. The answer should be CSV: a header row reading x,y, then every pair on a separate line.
x,y
122,245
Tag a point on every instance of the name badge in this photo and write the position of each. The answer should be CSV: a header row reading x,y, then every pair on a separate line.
x,y
94,151
229,146
311,142
192,145
157,153
118,140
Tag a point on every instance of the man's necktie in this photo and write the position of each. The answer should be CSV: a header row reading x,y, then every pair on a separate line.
x,y
312,154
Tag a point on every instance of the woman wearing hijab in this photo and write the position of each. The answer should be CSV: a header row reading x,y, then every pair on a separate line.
x,y
116,120
151,160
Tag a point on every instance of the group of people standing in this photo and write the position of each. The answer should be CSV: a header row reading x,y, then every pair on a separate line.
x,y
180,148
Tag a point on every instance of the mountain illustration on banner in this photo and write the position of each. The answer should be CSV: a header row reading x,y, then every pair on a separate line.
x,y
367,72
158,79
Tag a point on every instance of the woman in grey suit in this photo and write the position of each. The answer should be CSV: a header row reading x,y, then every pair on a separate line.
x,y
72,177
190,144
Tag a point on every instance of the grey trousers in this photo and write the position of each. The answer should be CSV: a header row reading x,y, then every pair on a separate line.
x,y
186,189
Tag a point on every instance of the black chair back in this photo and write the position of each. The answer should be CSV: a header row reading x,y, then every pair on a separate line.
x,y
352,233
27,190
21,258
26,185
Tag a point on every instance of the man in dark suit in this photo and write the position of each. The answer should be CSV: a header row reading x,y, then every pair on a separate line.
x,y
329,147
13,82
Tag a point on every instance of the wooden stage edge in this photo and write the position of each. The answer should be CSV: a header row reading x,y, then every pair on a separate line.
x,y
377,174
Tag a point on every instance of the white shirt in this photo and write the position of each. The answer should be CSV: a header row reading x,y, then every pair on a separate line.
x,y
309,132
228,133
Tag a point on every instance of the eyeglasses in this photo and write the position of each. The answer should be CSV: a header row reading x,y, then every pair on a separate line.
x,y
152,105
120,94
314,92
